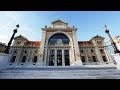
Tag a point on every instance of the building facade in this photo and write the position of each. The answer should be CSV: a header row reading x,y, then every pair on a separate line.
x,y
117,41
2,47
59,46
110,46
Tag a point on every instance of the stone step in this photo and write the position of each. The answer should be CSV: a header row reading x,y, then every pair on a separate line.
x,y
36,76
63,68
63,72
56,75
60,73
55,70
67,72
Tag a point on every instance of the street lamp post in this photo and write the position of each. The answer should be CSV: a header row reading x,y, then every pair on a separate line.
x,y
8,47
112,42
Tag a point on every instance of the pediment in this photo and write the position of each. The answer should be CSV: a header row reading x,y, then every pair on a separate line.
x,y
59,24
20,37
98,37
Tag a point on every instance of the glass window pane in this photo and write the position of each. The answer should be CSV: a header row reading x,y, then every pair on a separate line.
x,y
55,37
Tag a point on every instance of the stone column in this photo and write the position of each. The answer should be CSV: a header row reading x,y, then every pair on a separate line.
x,y
28,56
45,55
12,53
98,54
41,52
107,54
55,64
86,55
48,57
31,56
63,58
19,58
76,48
71,55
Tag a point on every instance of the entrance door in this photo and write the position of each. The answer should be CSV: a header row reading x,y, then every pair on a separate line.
x,y
59,57
51,57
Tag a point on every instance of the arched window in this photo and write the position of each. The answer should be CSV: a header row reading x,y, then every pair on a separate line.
x,y
59,36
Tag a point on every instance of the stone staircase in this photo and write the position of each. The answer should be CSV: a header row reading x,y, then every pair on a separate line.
x,y
47,72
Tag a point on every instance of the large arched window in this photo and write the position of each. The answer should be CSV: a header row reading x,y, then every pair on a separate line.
x,y
59,36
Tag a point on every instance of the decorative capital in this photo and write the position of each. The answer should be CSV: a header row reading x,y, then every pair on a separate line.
x,y
40,54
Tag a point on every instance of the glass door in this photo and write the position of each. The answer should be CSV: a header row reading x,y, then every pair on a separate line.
x,y
59,57
66,55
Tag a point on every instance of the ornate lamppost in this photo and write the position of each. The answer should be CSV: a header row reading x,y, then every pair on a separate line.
x,y
8,47
111,40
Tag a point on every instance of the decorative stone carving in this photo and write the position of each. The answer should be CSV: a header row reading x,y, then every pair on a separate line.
x,y
59,42
78,54
41,54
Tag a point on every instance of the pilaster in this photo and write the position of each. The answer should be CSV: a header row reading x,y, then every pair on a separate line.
x,y
98,54
86,55
41,52
19,58
28,56
76,48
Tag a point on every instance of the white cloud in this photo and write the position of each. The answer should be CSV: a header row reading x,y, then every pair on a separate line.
x,y
11,16
25,31
8,22
8,19
3,39
2,36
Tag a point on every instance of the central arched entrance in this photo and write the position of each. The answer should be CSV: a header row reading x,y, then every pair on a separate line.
x,y
58,50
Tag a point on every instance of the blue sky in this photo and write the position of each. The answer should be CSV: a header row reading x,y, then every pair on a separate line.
x,y
89,23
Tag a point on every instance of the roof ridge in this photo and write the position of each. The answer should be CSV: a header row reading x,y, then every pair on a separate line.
x,y
20,36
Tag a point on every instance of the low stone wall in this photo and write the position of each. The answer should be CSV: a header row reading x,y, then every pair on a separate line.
x,y
4,60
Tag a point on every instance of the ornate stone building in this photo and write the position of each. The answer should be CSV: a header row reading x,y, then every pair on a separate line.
x,y
117,41
59,46
2,47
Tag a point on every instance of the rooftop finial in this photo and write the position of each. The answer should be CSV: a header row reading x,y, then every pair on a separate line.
x,y
45,26
105,26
